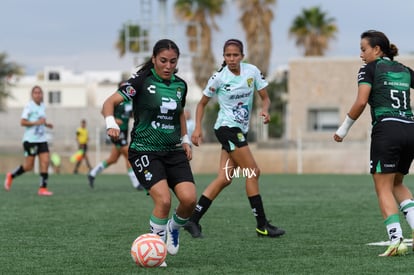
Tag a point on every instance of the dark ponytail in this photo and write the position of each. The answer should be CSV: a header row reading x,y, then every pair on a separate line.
x,y
377,38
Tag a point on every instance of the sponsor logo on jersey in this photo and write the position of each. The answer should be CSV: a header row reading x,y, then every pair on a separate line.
x,y
241,113
167,104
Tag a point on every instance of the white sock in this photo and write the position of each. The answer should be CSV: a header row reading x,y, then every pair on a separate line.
x,y
158,229
394,232
407,208
133,178
97,169
177,222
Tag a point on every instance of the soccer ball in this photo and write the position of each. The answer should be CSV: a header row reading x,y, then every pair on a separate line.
x,y
149,250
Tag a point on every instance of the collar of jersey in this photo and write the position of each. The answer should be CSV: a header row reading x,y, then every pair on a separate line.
x,y
159,78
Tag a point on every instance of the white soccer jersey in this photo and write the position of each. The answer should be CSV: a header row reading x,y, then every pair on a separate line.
x,y
235,95
33,112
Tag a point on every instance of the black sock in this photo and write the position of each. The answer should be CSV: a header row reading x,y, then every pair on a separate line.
x,y
200,209
258,210
18,171
76,167
44,177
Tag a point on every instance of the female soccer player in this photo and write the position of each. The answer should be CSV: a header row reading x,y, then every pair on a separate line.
x,y
34,142
235,85
385,84
122,114
159,151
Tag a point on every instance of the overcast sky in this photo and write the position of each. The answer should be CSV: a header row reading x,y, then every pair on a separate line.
x,y
81,34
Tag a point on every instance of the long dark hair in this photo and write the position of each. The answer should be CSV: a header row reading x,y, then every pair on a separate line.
x,y
163,44
235,42
377,38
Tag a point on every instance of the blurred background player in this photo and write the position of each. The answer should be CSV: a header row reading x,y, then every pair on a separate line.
x,y
82,138
190,122
34,142
55,162
122,114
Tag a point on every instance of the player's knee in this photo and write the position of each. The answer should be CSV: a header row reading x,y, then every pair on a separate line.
x,y
164,203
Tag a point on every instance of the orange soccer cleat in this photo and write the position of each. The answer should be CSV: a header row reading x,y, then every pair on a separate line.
x,y
44,192
8,181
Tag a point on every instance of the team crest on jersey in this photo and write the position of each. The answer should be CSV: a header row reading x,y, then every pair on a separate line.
x,y
179,93
130,91
250,82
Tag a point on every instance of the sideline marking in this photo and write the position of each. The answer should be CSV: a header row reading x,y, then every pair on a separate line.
x,y
408,242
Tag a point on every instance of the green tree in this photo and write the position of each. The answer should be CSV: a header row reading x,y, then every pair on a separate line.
x,y
200,15
7,70
277,91
313,30
256,20
131,38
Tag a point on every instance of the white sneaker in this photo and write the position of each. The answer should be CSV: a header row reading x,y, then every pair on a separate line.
x,y
172,239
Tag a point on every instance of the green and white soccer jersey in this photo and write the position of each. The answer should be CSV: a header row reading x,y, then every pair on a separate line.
x,y
390,88
157,105
33,112
235,95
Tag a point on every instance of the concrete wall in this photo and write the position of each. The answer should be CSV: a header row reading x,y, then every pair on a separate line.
x,y
313,83
271,158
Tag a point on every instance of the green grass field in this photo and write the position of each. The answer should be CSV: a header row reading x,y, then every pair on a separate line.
x,y
329,220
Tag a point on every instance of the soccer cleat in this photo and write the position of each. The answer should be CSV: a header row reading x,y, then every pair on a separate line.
x,y
194,229
8,181
164,264
269,230
44,192
172,239
91,179
397,249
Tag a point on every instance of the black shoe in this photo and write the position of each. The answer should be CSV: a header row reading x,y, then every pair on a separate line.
x,y
91,179
140,187
194,229
269,230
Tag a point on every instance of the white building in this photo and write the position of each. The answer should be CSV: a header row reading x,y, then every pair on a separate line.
x,y
70,97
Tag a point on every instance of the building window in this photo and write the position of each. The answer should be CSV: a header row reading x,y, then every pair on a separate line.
x,y
54,76
54,97
323,119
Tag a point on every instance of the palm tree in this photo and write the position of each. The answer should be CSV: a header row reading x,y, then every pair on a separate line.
x,y
199,15
136,40
313,30
7,70
256,20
